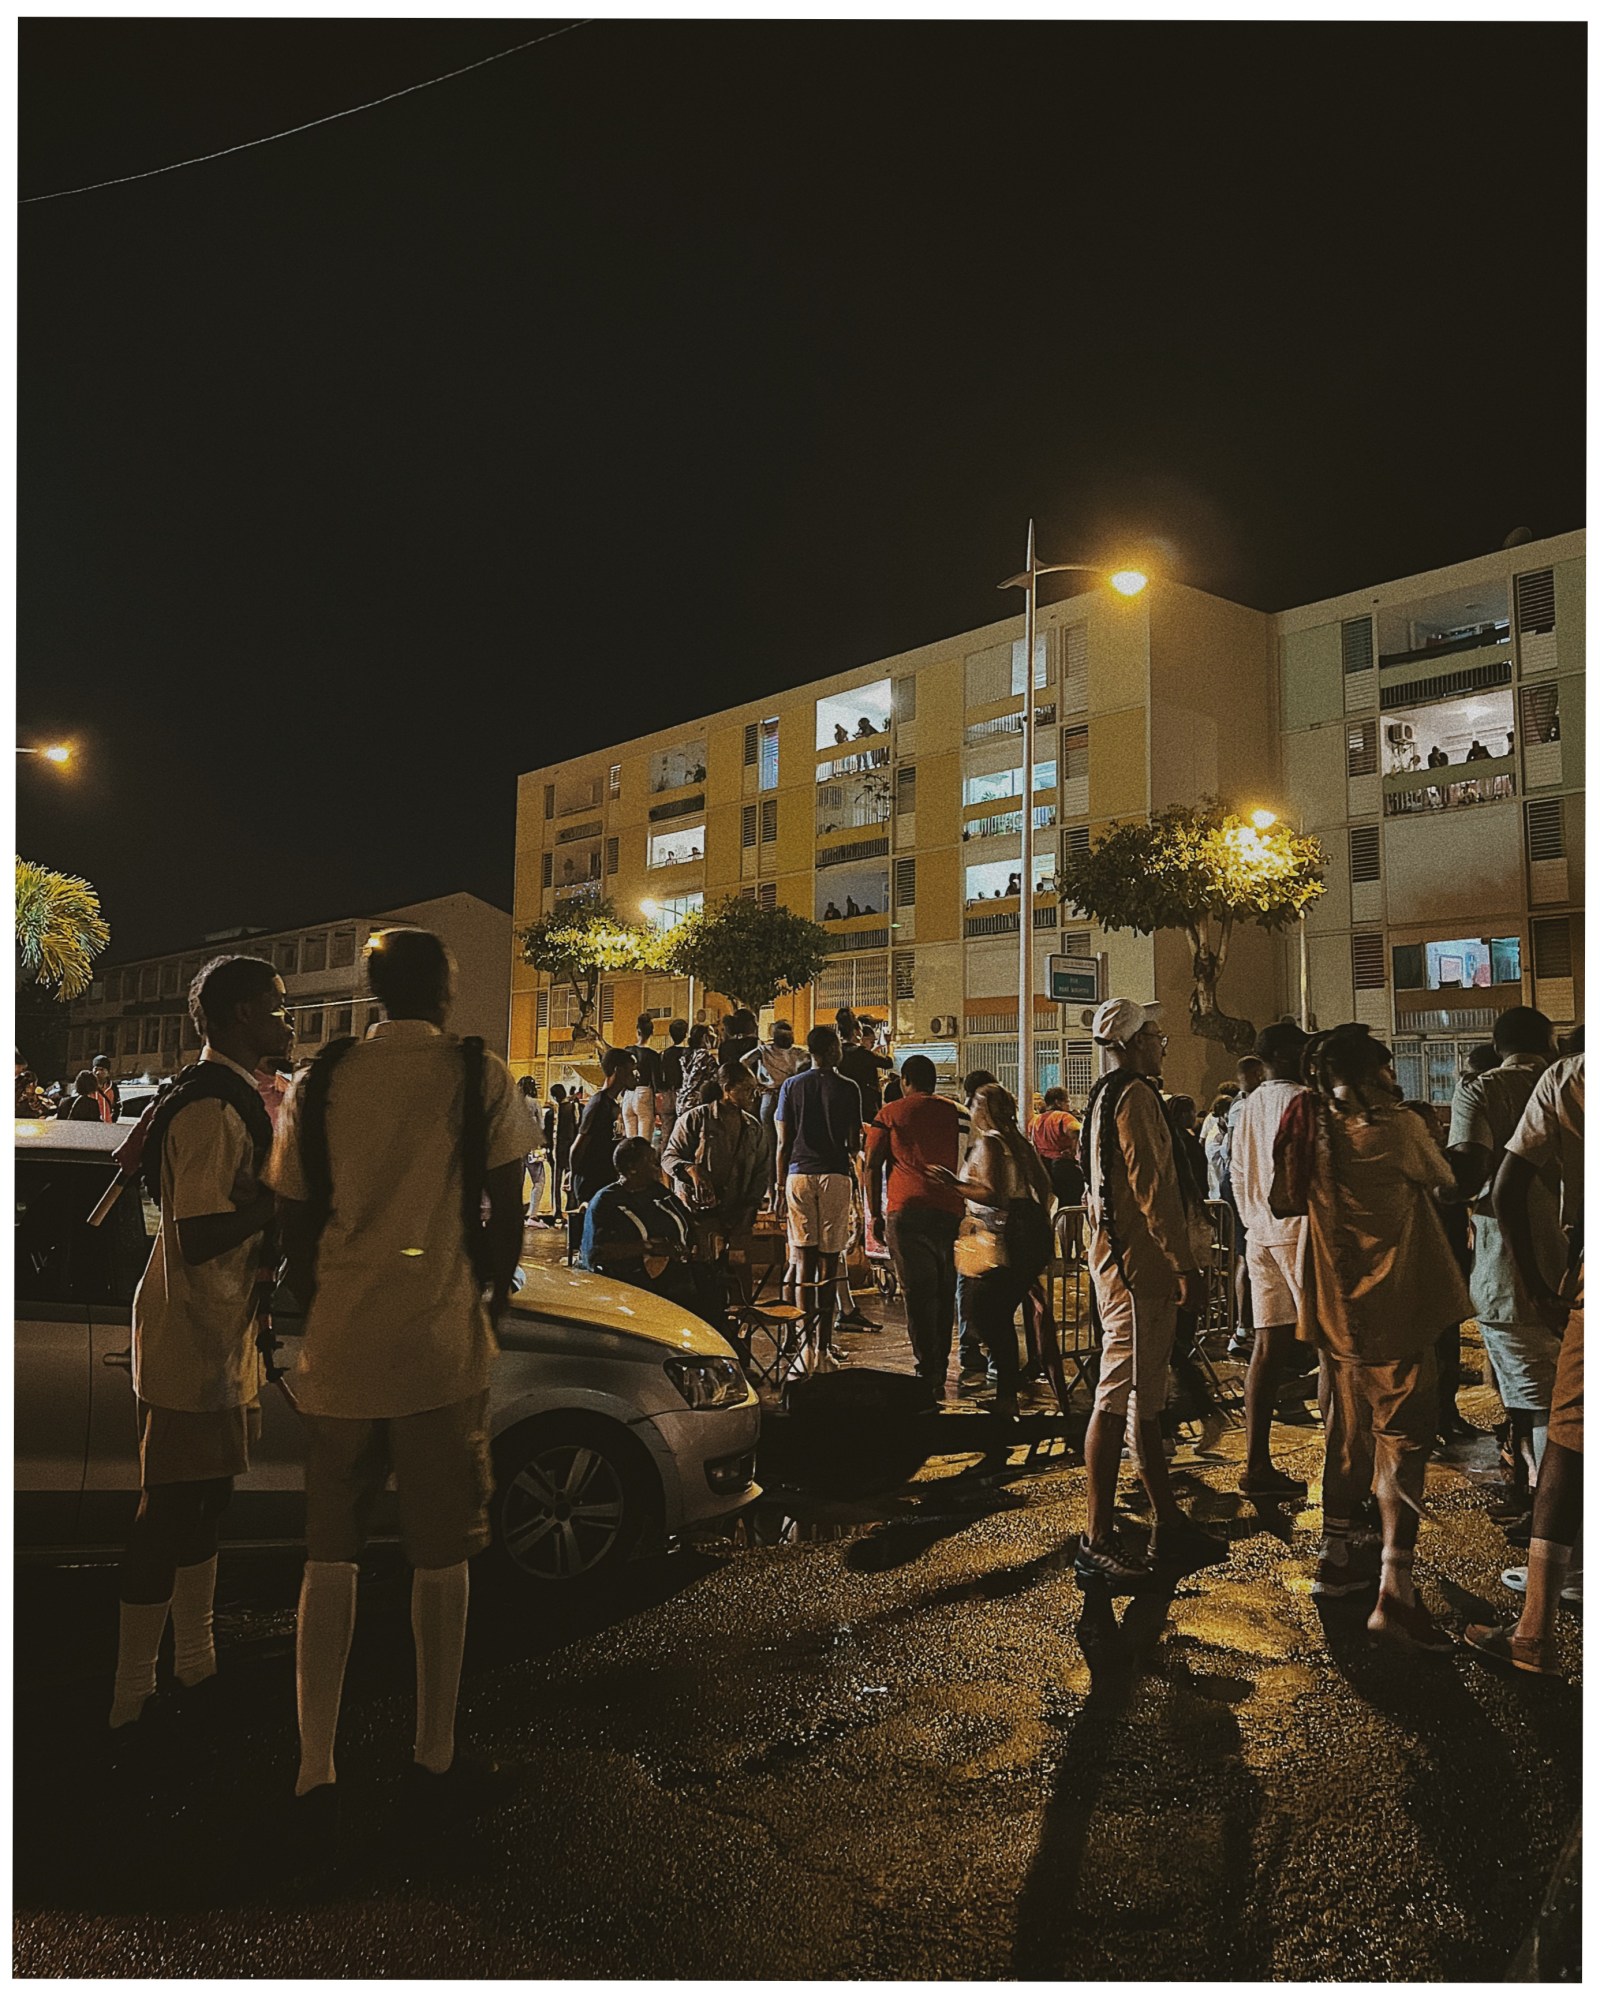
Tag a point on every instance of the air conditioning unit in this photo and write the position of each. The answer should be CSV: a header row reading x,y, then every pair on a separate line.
x,y
943,1024
1399,734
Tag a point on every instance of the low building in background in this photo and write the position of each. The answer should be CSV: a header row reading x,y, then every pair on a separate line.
x,y
885,803
137,1012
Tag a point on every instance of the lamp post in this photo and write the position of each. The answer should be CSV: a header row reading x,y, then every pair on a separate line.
x,y
1128,583
53,753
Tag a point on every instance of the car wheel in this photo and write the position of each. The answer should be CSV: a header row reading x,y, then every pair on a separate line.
x,y
574,1497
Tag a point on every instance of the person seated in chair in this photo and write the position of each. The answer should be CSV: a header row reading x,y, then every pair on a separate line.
x,y
637,1230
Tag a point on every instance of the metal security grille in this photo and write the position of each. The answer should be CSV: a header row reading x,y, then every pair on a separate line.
x,y
853,982
752,741
854,850
1355,645
1547,833
1361,749
1437,686
1552,948
905,881
1366,960
1536,601
1363,854
769,819
747,827
905,789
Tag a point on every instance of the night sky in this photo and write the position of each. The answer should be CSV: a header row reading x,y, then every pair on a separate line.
x,y
662,365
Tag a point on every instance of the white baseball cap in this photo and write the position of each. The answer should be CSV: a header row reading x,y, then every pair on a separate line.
x,y
1118,1021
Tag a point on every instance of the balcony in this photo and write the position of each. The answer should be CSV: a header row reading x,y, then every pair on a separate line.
x,y
1000,825
865,753
869,931
1492,780
1007,725
586,891
1004,918
1498,634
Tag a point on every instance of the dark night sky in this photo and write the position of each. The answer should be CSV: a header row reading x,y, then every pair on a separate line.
x,y
665,364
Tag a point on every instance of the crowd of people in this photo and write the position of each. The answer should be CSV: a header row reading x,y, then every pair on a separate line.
x,y
93,1094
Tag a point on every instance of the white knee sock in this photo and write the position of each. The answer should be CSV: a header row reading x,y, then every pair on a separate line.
x,y
1396,1579
439,1629
139,1630
322,1645
194,1652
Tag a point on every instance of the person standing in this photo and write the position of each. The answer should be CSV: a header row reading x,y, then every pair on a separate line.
x,y
106,1088
84,1105
905,1142
639,1104
1549,1135
602,1132
197,1373
971,1359
859,1063
1523,1351
1249,1074
772,1064
1054,1137
819,1137
1378,1282
699,1065
1273,1249
384,1156
672,1072
717,1162
738,1036
1148,1243
560,1129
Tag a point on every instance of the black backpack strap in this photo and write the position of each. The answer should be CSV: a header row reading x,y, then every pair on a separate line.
x,y
474,1148
190,1086
315,1164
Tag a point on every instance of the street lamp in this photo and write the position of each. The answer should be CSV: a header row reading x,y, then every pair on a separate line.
x,y
53,753
1127,583
652,910
1263,822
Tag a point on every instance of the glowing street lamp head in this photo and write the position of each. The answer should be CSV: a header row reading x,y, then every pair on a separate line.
x,y
58,753
650,906
1129,581
1261,819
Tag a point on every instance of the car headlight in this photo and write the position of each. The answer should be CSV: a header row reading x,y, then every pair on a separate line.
x,y
707,1384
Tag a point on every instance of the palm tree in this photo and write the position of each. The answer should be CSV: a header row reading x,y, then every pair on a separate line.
x,y
60,931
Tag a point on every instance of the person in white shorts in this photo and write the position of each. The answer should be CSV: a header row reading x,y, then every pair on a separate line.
x,y
640,1103
819,1142
1274,1246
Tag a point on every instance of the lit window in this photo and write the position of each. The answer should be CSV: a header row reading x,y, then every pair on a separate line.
x,y
677,845
853,716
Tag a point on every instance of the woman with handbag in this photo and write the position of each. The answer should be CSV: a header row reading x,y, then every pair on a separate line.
x,y
716,1161
1005,1241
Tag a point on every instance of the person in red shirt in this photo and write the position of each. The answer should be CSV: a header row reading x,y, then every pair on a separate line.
x,y
918,1131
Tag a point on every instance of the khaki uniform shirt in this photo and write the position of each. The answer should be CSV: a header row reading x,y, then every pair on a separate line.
x,y
1133,1193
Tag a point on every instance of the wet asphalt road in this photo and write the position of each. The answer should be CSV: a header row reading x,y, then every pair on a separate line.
x,y
905,1746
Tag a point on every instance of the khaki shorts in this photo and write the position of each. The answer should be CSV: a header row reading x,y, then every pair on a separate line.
x,y
819,1212
176,1446
1137,1333
440,1462
1274,1282
1382,1416
1566,1408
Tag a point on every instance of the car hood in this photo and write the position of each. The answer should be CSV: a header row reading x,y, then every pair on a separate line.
x,y
584,1298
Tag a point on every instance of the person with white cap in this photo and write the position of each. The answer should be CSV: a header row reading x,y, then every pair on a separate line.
x,y
1148,1242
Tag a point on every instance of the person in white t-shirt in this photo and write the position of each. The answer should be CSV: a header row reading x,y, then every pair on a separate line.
x,y
393,1374
196,1371
1273,1247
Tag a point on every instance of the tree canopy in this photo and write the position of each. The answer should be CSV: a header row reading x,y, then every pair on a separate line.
x,y
579,942
60,931
747,952
1201,870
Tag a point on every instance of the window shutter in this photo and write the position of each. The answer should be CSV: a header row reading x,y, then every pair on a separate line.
x,y
1536,601
747,893
769,819
767,895
1552,948
1077,944
541,1012
905,698
1541,713
1363,854
905,789
548,871
1075,840
769,755
1355,645
1547,834
1366,960
747,827
905,975
1361,749
611,855
615,786
608,1001
752,742
905,881
1075,752
549,801
1075,667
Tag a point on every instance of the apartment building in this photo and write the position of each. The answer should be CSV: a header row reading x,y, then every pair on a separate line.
x,y
885,802
138,1012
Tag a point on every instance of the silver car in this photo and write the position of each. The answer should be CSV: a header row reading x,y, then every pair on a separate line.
x,y
619,1422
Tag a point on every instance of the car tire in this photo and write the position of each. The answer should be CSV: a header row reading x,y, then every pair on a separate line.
x,y
575,1498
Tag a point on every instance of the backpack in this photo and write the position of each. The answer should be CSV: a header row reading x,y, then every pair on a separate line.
x,y
140,1153
317,1166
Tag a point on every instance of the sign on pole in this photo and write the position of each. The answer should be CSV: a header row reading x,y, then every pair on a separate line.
x,y
1075,980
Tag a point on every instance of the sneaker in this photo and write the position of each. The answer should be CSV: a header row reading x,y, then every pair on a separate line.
x,y
1408,1625
1571,1590
972,1378
1242,1344
1519,1533
1500,1643
1358,1572
1112,1566
470,1787
1185,1544
1273,1485
857,1322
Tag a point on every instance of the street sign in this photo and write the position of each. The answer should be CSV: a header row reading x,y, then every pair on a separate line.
x,y
1075,979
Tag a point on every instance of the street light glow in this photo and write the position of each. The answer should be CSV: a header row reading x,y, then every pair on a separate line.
x,y
1129,581
1261,819
58,753
650,907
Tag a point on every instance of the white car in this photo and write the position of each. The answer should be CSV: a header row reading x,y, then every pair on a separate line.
x,y
619,1422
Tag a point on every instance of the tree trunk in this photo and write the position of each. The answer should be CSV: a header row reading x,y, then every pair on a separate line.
x,y
1206,1018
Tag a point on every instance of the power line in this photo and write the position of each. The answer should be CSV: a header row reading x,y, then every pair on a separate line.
x,y
200,159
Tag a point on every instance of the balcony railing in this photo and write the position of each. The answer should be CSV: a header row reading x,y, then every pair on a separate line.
x,y
579,892
1002,922
853,850
1486,635
1441,787
993,825
1007,725
872,754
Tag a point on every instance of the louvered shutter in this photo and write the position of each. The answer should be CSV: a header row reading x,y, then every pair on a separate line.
x,y
1366,960
1536,601
905,881
769,819
905,789
1355,645
747,827
1361,749
1363,854
752,742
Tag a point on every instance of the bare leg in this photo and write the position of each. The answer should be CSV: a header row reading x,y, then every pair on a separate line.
x,y
1152,1460
1269,1362
1102,1456
1557,1517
